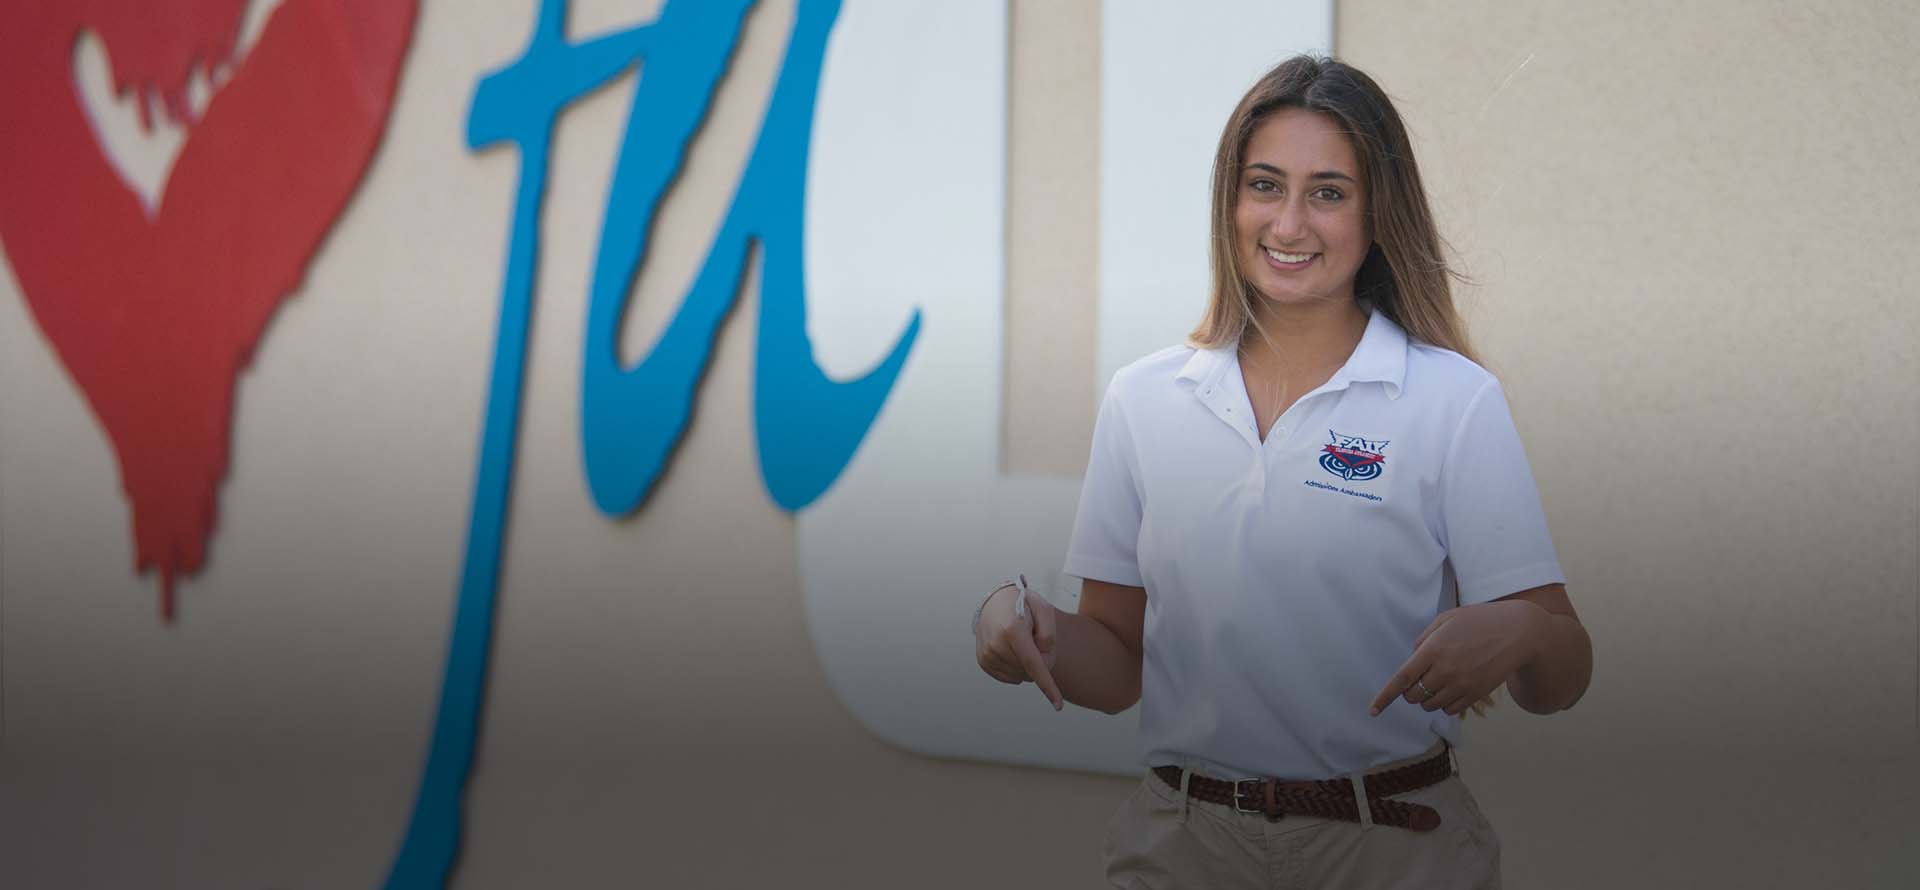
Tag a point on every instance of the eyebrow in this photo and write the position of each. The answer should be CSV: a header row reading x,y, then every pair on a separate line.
x,y
1323,174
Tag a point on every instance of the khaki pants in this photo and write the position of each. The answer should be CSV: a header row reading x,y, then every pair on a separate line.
x,y
1158,840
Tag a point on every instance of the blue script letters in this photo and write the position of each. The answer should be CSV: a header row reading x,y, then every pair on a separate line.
x,y
806,425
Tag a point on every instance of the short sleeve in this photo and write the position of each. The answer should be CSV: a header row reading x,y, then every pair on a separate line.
x,y
1106,528
1492,524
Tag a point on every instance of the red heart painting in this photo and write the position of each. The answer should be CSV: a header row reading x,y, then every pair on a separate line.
x,y
154,317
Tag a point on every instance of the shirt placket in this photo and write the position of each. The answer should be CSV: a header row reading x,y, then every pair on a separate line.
x,y
1225,395
1296,414
1226,398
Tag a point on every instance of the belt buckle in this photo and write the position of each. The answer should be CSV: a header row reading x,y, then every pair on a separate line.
x,y
1240,794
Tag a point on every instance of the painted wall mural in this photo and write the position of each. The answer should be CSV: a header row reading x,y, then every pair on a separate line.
x,y
154,311
154,303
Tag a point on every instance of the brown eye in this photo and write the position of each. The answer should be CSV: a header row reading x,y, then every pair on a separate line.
x,y
1328,193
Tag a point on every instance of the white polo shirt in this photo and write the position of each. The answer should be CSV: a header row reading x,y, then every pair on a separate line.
x,y
1287,579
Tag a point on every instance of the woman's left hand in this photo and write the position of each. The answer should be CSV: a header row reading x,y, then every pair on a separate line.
x,y
1464,655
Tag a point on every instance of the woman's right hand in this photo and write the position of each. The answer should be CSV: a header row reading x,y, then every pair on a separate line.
x,y
1013,648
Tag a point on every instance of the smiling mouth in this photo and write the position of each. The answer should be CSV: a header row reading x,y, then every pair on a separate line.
x,y
1289,259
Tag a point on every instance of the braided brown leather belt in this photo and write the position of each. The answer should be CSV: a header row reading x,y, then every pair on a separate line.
x,y
1326,798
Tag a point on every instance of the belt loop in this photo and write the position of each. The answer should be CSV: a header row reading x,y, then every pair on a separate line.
x,y
1186,775
1360,799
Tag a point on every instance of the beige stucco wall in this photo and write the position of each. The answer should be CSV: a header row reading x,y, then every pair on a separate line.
x,y
1690,224
1690,231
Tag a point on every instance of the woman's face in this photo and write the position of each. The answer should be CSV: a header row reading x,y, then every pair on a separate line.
x,y
1300,215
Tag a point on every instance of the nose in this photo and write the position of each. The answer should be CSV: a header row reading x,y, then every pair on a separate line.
x,y
1290,223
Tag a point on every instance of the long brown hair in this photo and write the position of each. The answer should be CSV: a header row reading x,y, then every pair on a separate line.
x,y
1404,274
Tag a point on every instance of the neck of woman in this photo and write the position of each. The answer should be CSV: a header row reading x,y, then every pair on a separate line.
x,y
1302,339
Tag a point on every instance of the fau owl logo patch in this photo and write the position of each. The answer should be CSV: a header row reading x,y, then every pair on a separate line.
x,y
1353,458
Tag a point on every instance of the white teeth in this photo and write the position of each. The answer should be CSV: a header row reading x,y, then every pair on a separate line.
x,y
1288,257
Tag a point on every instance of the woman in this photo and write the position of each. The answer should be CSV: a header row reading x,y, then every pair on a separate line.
x,y
1309,537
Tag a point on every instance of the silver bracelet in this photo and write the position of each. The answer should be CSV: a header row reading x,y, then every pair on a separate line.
x,y
1004,584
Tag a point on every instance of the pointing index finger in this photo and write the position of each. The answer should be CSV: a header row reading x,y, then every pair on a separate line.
x,y
1036,666
1398,685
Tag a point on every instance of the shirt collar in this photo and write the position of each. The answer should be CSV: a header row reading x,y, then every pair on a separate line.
x,y
1381,357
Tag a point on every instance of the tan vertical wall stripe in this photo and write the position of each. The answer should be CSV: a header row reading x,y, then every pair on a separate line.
x,y
1053,235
